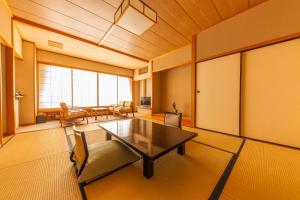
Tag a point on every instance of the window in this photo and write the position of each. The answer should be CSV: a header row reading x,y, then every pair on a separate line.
x,y
108,89
84,88
80,88
54,86
124,89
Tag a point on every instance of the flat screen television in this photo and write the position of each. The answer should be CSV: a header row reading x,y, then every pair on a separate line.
x,y
145,101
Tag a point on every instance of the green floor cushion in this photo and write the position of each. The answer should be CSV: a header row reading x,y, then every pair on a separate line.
x,y
104,157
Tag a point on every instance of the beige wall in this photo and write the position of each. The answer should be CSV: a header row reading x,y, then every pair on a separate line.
x,y
17,42
265,22
5,21
172,59
25,83
149,87
271,98
147,75
175,85
64,60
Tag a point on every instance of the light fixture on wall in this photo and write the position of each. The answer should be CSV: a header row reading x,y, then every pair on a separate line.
x,y
134,16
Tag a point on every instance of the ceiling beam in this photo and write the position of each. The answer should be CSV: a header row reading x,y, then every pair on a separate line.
x,y
22,20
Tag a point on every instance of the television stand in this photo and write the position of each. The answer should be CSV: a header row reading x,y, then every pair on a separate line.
x,y
147,110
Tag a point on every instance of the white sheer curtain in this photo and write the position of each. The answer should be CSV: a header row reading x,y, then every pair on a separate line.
x,y
54,86
84,88
124,89
108,89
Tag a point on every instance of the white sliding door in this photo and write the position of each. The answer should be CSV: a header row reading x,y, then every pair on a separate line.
x,y
218,94
271,94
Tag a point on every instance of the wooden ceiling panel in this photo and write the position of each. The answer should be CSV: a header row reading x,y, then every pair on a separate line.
x,y
203,12
54,25
173,14
75,12
116,46
255,2
125,35
156,39
177,21
130,46
97,7
46,13
228,8
114,3
167,32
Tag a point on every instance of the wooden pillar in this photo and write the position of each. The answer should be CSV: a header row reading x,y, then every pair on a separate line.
x,y
1,97
10,91
193,82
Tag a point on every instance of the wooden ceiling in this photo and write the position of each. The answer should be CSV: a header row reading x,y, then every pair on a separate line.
x,y
178,20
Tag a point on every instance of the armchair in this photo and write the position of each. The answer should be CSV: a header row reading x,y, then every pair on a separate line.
x,y
123,107
70,115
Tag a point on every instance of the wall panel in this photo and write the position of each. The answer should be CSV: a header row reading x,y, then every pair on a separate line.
x,y
271,98
5,21
266,22
25,83
218,99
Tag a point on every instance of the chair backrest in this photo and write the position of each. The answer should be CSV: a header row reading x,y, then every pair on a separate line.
x,y
173,119
64,109
81,153
121,103
127,103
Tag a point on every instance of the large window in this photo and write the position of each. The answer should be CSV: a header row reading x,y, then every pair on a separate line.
x,y
55,86
124,89
84,88
108,87
80,88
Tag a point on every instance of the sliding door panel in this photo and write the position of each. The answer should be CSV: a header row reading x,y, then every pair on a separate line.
x,y
218,94
271,97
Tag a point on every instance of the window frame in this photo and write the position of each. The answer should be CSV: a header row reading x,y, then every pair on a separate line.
x,y
76,68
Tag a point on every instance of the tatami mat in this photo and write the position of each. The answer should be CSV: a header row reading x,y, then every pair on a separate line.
x,y
192,176
49,178
34,145
264,171
222,141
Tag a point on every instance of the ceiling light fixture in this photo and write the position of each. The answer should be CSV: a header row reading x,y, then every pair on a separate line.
x,y
134,16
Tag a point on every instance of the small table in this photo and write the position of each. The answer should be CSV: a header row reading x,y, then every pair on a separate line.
x,y
99,111
151,140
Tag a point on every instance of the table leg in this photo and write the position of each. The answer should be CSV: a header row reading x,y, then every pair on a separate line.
x,y
181,149
147,167
108,136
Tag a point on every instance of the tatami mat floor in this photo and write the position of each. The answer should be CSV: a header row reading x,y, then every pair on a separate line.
x,y
35,165
264,171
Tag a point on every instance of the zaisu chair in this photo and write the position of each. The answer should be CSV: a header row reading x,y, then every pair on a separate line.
x,y
97,160
173,119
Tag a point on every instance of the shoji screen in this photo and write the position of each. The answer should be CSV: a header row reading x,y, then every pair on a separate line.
x,y
218,94
271,97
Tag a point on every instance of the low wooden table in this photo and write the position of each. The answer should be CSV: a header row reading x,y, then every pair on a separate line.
x,y
99,111
149,139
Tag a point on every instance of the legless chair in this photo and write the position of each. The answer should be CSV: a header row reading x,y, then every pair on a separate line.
x,y
67,115
97,160
173,119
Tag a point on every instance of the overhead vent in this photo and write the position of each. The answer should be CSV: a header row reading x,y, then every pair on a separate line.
x,y
143,70
55,44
